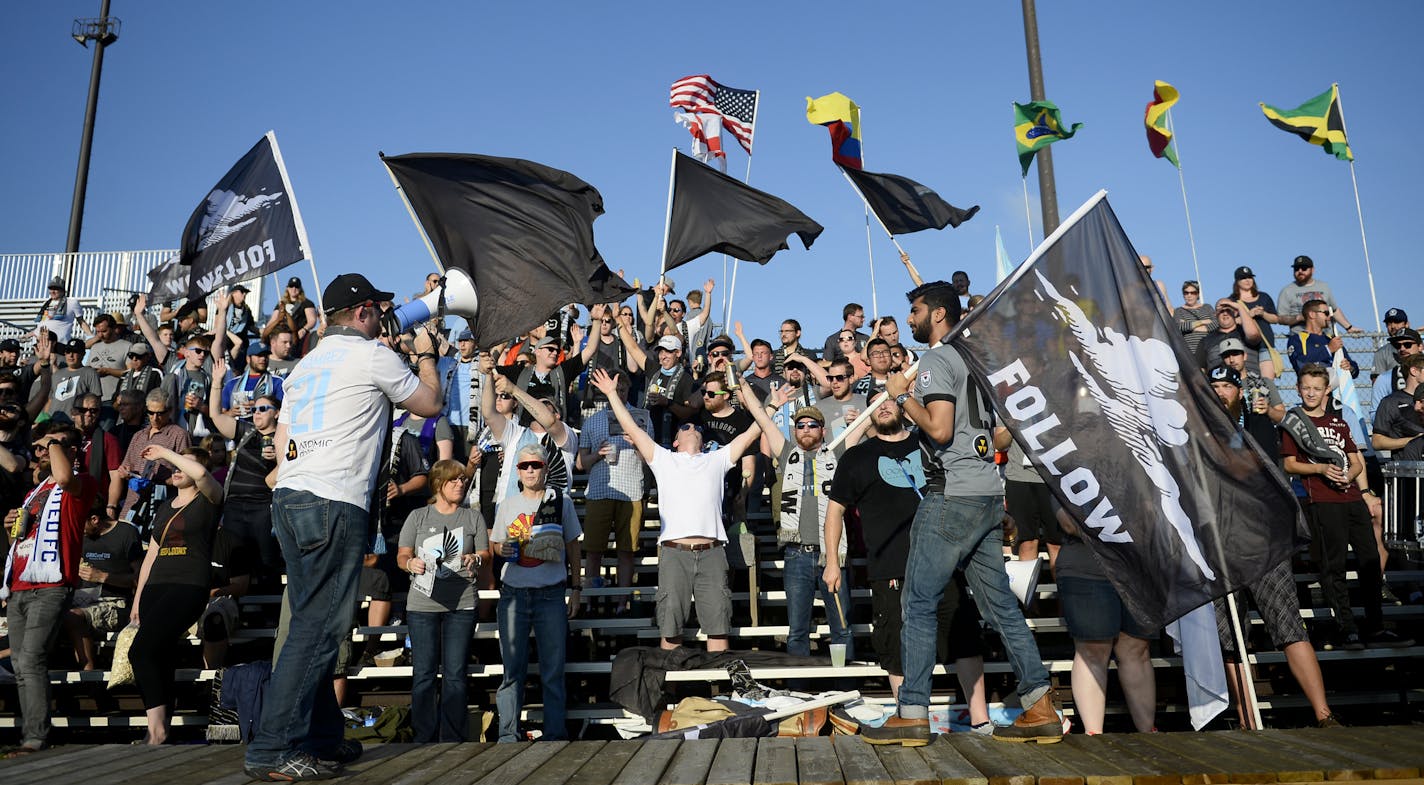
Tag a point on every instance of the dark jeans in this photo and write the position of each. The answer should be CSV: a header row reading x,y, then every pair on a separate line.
x,y
1338,527
543,613
439,644
165,612
802,578
34,623
323,542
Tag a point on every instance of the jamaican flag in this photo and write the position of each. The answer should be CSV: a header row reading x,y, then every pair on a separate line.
x,y
1159,136
1317,121
1036,126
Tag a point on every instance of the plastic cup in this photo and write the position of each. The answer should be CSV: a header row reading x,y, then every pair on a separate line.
x,y
838,651
612,459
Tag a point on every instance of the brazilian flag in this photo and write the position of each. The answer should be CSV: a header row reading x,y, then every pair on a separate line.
x,y
1037,125
1317,121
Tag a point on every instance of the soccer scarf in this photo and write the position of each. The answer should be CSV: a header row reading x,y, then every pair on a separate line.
x,y
43,565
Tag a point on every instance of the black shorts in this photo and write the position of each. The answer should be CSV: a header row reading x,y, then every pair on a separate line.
x,y
958,635
1030,504
375,583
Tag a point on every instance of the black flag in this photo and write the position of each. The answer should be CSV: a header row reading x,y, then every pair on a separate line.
x,y
247,227
1091,375
714,212
904,205
522,230
168,282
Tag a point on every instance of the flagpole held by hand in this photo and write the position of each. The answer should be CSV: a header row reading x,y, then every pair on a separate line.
x,y
667,220
405,201
904,257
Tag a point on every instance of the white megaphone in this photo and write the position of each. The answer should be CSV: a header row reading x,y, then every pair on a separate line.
x,y
1023,578
459,299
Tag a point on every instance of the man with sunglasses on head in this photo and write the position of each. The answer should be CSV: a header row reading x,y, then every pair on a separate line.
x,y
335,417
161,430
692,559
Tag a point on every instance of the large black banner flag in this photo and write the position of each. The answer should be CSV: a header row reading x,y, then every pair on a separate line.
x,y
168,282
714,212
1089,372
522,230
247,226
904,205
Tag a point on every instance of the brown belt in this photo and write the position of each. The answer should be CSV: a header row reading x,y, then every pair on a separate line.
x,y
691,546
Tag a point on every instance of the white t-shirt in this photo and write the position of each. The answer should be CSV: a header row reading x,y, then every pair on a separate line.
x,y
690,493
335,406
61,321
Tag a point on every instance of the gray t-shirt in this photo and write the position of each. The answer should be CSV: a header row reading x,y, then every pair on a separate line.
x,y
835,412
67,386
964,466
520,514
280,368
1294,296
108,355
455,591
1017,468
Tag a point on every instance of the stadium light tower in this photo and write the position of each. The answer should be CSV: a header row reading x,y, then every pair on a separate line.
x,y
102,31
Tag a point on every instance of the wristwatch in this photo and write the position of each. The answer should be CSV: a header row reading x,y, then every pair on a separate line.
x,y
901,398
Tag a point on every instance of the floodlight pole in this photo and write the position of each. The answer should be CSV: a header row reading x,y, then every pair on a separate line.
x,y
103,31
1047,192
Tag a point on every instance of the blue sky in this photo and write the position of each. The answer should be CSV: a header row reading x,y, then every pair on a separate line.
x,y
583,86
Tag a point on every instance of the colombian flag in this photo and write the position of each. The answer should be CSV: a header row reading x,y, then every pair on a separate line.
x,y
1159,136
841,117
1317,121
1037,125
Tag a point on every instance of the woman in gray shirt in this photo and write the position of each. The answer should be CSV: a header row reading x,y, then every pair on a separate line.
x,y
441,545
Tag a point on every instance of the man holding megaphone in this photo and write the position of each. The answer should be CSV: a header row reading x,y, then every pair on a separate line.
x,y
329,441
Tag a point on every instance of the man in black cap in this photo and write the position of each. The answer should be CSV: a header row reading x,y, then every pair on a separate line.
x,y
1302,290
73,380
1395,322
329,437
1401,344
295,312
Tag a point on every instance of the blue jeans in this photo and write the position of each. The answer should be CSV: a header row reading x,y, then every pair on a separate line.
x,y
542,612
951,533
439,644
802,580
322,542
34,623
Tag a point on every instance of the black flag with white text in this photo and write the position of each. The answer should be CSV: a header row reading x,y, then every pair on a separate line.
x,y
168,282
247,226
1090,374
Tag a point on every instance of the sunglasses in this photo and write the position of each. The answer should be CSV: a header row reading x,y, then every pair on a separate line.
x,y
133,356
837,377
689,427
86,410
675,310
548,348
714,393
504,396
1190,291
719,354
152,413
264,407
525,466
1406,344
807,425
10,408
606,321
198,351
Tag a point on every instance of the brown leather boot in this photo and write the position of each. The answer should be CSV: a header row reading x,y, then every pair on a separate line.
x,y
1038,723
898,730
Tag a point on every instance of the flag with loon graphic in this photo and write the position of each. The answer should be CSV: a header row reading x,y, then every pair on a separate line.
x,y
714,212
1095,383
247,226
522,230
1038,124
1317,121
904,205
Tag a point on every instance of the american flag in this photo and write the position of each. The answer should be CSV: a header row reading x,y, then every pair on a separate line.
x,y
736,107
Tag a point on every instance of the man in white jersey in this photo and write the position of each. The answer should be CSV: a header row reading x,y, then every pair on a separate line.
x,y
335,418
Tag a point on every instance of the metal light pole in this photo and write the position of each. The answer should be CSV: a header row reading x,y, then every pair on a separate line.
x,y
1047,192
103,31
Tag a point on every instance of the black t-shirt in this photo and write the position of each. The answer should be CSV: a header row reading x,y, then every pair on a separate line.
x,y
114,552
185,542
1396,419
231,559
247,479
720,431
883,481
410,463
665,422
764,386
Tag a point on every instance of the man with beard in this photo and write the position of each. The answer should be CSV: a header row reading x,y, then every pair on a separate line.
x,y
957,526
790,344
668,396
100,452
40,571
107,351
807,465
1274,596
1233,321
1262,403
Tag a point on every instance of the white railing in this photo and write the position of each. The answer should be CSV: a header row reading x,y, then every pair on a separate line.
x,y
25,276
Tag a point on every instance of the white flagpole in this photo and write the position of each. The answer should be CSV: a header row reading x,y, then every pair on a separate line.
x,y
1028,214
869,250
747,179
296,216
914,274
414,219
1182,181
1369,271
667,220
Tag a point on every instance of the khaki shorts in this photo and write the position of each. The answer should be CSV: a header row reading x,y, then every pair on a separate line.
x,y
109,614
622,519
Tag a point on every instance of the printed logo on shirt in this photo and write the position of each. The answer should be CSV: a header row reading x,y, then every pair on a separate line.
x,y
291,449
924,379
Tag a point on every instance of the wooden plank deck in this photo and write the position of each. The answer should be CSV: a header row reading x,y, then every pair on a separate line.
x,y
1375,754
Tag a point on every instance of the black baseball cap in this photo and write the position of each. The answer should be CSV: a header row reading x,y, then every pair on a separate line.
x,y
722,341
1396,315
294,281
1407,334
240,288
1243,272
1222,373
350,290
9,345
1302,262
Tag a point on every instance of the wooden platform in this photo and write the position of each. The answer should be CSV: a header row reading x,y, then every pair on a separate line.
x,y
1381,754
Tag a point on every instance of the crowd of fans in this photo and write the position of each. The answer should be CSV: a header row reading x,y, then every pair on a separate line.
x,y
140,463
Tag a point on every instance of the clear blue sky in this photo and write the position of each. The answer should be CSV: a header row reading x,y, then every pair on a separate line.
x,y
581,86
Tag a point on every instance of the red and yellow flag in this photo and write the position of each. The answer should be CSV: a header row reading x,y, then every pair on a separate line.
x,y
1159,136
